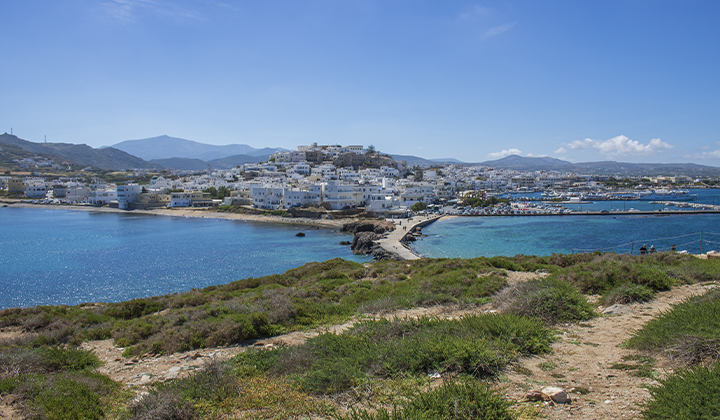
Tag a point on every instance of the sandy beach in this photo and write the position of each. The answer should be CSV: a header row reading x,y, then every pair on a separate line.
x,y
189,212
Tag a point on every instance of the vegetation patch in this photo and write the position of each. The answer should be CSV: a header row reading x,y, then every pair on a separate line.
x,y
637,365
480,346
55,383
453,400
688,394
550,300
689,334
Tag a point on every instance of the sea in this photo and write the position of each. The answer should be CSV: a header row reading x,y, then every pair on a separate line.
x,y
469,237
66,257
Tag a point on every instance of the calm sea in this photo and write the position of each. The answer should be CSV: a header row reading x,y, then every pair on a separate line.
x,y
69,257
468,237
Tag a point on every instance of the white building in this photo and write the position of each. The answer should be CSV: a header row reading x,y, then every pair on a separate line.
x,y
268,197
127,194
101,197
180,199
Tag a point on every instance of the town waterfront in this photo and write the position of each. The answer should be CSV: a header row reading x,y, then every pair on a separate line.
x,y
65,257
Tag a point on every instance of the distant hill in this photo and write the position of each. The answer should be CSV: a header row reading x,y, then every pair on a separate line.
x,y
418,161
165,147
183,164
233,161
520,163
84,155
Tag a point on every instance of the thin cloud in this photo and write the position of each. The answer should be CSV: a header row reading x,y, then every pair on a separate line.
x,y
128,11
504,153
476,11
715,154
620,145
493,32
537,156
560,151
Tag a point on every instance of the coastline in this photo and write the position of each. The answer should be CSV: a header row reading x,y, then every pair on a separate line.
x,y
190,212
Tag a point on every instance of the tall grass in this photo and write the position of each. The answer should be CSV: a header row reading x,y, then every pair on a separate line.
x,y
688,334
688,394
451,401
475,345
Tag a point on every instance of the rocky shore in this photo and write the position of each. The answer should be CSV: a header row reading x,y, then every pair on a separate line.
x,y
366,233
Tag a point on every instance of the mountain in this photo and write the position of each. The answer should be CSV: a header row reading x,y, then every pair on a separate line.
x,y
108,158
520,163
233,161
183,164
165,147
418,161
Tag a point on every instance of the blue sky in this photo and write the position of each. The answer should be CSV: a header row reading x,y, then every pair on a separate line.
x,y
635,81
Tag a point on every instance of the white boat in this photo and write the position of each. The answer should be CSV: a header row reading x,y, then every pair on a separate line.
x,y
666,195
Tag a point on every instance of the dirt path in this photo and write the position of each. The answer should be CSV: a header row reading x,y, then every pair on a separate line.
x,y
581,360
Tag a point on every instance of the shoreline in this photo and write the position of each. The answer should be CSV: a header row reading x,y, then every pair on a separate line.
x,y
188,212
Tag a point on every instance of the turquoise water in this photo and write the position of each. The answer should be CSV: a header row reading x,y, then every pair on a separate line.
x,y
468,237
69,257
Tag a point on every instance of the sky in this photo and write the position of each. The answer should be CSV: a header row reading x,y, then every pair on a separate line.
x,y
625,80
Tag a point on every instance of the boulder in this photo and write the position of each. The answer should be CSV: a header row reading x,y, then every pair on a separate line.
x,y
364,242
345,243
377,226
556,394
536,396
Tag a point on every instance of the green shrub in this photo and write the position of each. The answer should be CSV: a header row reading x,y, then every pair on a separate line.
x,y
688,334
549,300
628,293
65,395
688,394
451,401
475,345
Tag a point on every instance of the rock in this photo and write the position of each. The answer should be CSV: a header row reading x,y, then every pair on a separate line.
x,y
376,226
345,243
556,394
364,242
617,309
300,234
381,254
536,396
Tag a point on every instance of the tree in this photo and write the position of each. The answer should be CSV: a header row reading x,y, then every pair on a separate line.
x,y
371,149
419,206
212,190
223,192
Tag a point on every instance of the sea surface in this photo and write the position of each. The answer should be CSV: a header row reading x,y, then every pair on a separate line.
x,y
468,237
55,256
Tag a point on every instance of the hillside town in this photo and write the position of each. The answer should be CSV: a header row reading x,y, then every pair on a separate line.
x,y
330,176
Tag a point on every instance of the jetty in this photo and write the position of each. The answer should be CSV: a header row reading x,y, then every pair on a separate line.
x,y
394,242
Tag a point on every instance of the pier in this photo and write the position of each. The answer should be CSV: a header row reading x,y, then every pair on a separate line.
x,y
394,241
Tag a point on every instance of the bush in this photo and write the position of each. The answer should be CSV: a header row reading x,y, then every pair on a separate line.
x,y
628,293
689,394
549,300
475,345
451,401
688,334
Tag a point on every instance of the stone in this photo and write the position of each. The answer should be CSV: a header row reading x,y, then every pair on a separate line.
x,y
364,242
345,243
556,394
617,309
536,396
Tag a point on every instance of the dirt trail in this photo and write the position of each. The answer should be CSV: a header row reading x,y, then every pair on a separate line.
x,y
582,358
